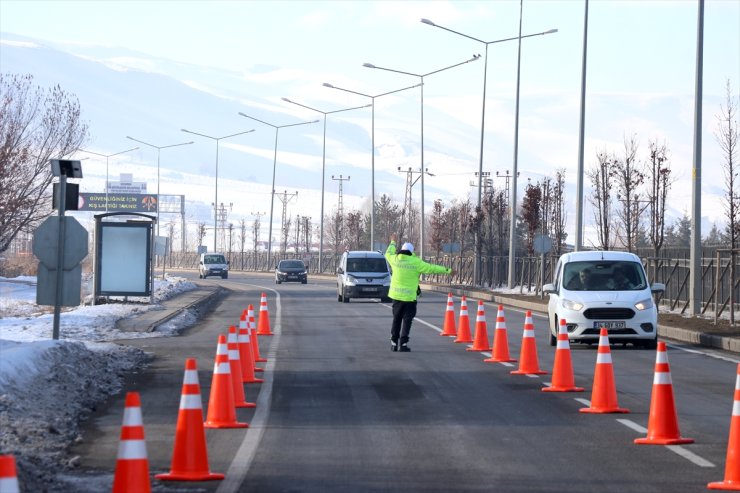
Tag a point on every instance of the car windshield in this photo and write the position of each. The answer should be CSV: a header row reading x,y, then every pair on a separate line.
x,y
214,259
604,275
366,265
291,264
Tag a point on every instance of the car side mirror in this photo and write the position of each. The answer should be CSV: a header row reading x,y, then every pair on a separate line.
x,y
549,288
657,287
340,270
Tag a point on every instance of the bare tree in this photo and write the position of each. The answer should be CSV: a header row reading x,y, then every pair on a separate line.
x,y
659,176
438,226
601,197
36,125
354,229
559,214
629,176
727,138
201,234
531,214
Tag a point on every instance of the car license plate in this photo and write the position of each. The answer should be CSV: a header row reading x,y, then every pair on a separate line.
x,y
369,290
610,325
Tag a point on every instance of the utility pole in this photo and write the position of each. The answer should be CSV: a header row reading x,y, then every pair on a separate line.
x,y
340,206
285,199
407,202
222,214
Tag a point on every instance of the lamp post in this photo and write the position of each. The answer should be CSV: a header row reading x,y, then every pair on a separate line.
x,y
274,167
158,148
372,172
106,156
421,85
215,201
323,170
512,212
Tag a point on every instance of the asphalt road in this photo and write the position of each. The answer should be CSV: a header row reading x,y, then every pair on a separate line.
x,y
339,412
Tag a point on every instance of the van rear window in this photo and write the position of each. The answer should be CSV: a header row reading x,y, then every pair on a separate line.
x,y
604,275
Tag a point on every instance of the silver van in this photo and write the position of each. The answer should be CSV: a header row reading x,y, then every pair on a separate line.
x,y
213,264
363,274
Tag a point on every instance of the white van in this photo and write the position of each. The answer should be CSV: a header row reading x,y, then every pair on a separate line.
x,y
591,290
213,264
363,274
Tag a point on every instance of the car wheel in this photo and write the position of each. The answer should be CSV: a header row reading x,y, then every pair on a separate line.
x,y
339,297
305,281
345,298
385,299
651,344
225,276
554,339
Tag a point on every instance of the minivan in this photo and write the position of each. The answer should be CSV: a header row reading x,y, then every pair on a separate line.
x,y
213,264
363,274
603,289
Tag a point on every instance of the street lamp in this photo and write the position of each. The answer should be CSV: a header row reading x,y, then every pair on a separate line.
x,y
372,172
421,80
215,202
106,156
158,148
274,167
512,212
323,170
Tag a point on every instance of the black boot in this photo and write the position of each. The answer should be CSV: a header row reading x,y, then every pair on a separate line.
x,y
404,348
394,346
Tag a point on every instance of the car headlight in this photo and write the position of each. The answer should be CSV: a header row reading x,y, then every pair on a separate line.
x,y
572,305
387,281
351,281
644,304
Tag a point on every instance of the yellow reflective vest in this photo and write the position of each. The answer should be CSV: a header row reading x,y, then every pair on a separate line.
x,y
405,275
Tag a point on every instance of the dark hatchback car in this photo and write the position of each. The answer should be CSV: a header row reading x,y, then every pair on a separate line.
x,y
291,270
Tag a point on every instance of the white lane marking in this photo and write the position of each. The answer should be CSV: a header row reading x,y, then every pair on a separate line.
x,y
677,449
704,353
531,375
690,456
506,363
631,424
239,467
585,402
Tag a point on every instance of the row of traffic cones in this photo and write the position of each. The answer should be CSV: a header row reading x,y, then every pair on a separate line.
x,y
236,356
663,426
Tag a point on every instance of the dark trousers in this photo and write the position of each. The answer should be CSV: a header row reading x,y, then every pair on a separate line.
x,y
403,314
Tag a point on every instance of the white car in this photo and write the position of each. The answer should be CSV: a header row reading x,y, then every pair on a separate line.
x,y
596,289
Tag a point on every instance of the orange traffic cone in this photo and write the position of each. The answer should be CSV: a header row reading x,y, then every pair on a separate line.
x,y
463,324
732,465
448,329
190,456
663,420
132,466
221,409
563,379
8,475
263,323
500,340
246,356
232,345
255,340
528,362
481,331
604,391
